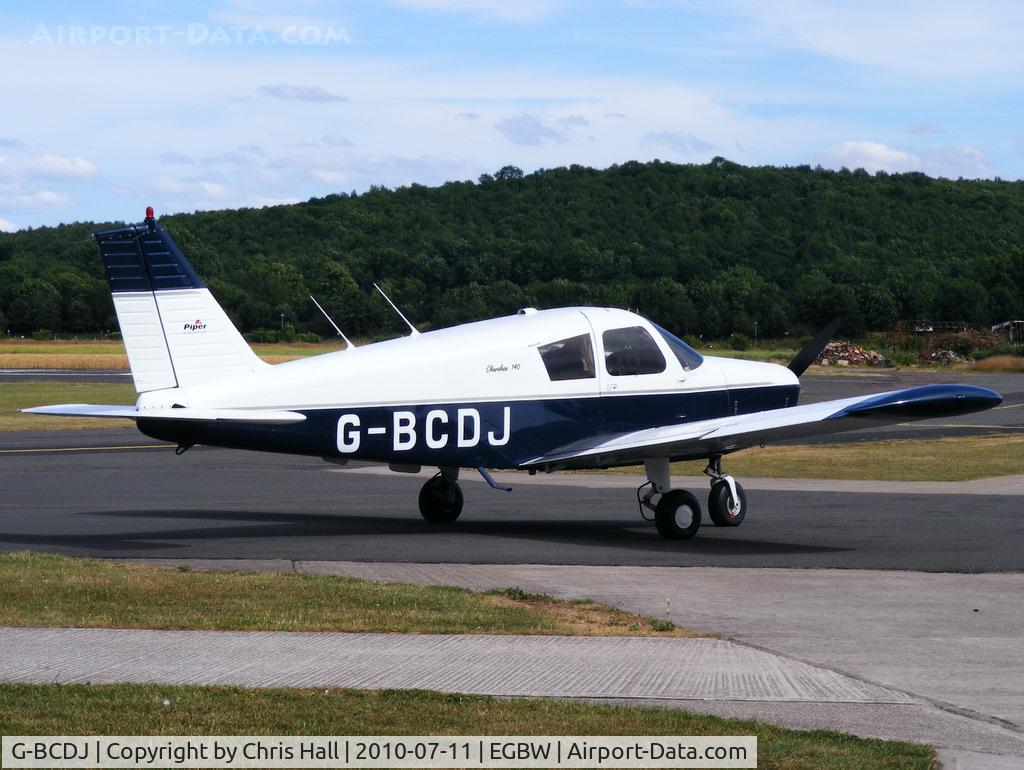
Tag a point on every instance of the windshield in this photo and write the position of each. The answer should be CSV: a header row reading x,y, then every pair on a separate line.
x,y
688,357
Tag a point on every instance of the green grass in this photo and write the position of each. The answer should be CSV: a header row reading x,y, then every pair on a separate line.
x,y
772,355
49,590
140,710
18,395
948,459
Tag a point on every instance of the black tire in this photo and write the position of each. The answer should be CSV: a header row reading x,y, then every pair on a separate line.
x,y
440,500
677,515
722,509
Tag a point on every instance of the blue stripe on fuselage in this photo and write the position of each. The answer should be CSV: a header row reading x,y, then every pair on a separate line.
x,y
495,434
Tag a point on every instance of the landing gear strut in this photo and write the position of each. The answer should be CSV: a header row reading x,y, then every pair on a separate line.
x,y
727,502
441,497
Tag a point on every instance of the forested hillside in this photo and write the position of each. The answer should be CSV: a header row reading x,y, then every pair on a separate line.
x,y
705,250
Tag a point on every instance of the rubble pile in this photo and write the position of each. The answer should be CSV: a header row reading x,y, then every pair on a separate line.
x,y
943,357
841,353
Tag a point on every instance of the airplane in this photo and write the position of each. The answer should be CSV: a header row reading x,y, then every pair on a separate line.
x,y
542,390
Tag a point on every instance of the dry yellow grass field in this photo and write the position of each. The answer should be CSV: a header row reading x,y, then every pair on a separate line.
x,y
109,354
1000,364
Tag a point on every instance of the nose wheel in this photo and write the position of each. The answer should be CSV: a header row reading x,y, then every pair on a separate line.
x,y
727,502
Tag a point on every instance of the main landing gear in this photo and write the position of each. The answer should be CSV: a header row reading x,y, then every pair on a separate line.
x,y
441,497
677,513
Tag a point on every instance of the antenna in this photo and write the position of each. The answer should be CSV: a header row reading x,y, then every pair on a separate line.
x,y
394,307
348,342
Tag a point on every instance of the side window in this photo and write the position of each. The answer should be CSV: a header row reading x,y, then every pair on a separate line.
x,y
631,351
569,359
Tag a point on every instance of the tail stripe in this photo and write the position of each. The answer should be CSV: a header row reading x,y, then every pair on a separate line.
x,y
137,259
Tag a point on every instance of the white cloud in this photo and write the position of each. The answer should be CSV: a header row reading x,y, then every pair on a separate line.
x,y
521,11
261,202
300,93
7,226
870,156
337,140
574,121
214,190
528,129
279,16
953,161
331,177
43,197
177,158
50,165
927,38
680,141
922,128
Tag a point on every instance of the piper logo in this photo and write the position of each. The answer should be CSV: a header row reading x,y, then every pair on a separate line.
x,y
194,326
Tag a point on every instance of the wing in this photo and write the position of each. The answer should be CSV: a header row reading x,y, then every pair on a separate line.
x,y
262,416
727,434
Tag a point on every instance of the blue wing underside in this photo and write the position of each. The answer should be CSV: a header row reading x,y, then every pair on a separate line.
x,y
729,434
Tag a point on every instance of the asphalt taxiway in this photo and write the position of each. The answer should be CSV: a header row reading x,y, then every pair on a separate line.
x,y
221,504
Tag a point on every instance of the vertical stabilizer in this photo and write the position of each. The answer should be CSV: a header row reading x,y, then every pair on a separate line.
x,y
174,331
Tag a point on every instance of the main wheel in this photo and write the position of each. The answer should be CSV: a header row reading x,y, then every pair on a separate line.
x,y
677,515
441,500
723,509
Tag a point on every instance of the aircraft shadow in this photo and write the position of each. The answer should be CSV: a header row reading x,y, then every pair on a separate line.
x,y
402,538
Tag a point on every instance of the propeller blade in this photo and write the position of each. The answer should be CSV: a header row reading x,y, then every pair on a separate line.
x,y
813,349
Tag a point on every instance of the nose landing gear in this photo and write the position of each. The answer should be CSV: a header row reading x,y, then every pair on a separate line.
x,y
727,502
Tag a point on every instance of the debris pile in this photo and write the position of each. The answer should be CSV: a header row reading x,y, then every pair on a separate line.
x,y
841,353
938,356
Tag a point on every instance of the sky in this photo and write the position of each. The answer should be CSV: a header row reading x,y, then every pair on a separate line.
x,y
106,108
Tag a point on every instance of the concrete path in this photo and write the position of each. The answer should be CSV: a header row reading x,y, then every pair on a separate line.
x,y
547,666
951,638
952,643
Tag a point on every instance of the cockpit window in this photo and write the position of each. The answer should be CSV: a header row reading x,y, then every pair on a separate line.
x,y
569,359
631,351
688,357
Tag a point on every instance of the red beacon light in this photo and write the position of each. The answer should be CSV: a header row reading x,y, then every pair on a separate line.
x,y
149,212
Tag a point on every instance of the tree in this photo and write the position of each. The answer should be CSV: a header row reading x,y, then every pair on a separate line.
x,y
509,173
665,302
35,304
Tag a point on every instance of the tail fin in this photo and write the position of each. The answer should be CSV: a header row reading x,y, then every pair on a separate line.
x,y
174,332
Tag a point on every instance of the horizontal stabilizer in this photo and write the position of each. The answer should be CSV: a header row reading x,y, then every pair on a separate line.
x,y
261,416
